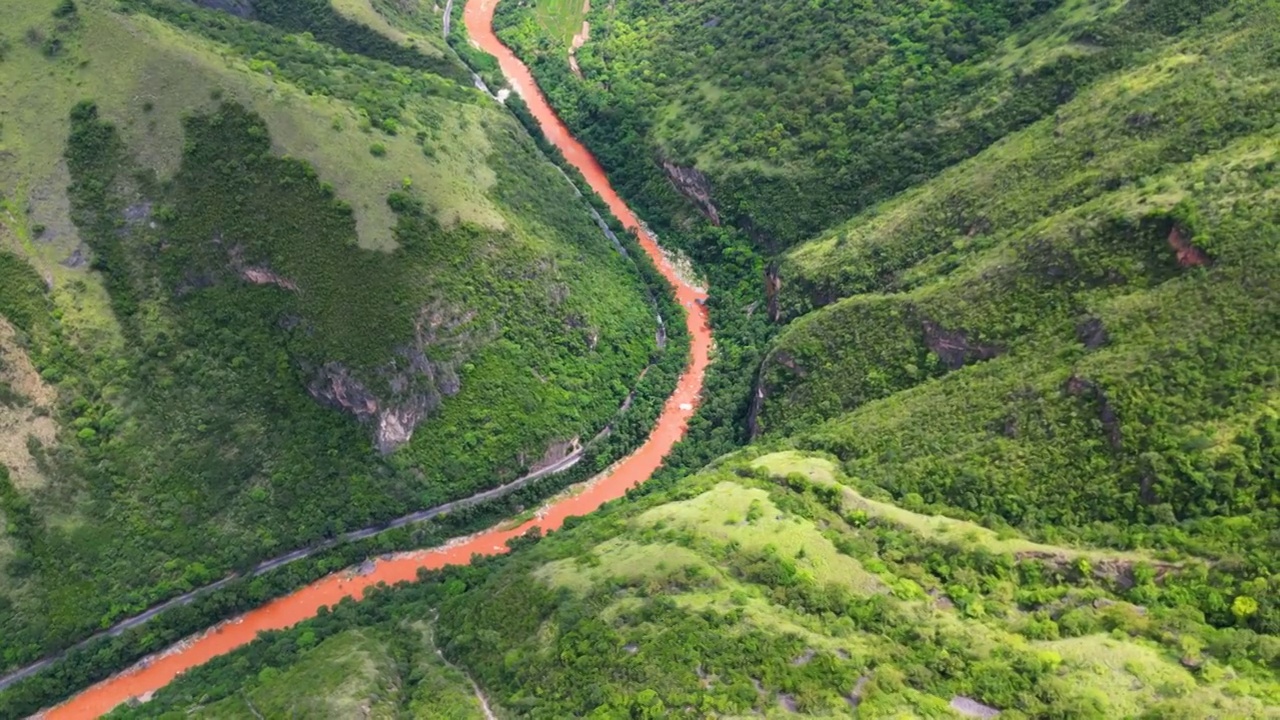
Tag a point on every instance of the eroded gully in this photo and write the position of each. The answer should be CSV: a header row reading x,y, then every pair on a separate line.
x,y
155,672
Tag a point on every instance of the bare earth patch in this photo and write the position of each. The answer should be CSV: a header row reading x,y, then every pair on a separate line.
x,y
580,39
19,418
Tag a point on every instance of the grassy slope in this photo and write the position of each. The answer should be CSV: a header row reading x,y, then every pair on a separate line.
x,y
1021,250
173,462
124,62
934,528
374,14
751,587
692,551
357,674
341,675
561,19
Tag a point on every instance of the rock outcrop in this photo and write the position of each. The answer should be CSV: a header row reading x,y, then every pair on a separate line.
x,y
694,185
414,383
256,274
1188,255
954,348
1079,387
1092,333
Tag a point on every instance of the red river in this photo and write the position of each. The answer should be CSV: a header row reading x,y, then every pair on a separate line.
x,y
154,673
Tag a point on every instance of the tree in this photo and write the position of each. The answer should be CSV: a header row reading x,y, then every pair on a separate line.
x,y
1243,608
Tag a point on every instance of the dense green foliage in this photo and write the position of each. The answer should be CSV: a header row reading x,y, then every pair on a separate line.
x,y
1073,332
772,584
22,300
192,447
1111,381
1147,127
1156,110
349,675
724,256
102,656
801,113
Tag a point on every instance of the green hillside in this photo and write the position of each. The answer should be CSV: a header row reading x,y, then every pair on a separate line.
x,y
1076,325
773,587
1061,317
359,674
264,281
993,423
784,118
753,137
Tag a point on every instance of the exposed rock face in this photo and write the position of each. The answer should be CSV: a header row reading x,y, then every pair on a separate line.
x,y
396,424
264,276
854,698
772,286
334,385
417,384
805,658
1091,333
972,708
757,406
77,259
779,358
556,452
579,39
786,360
694,185
954,348
1188,255
258,274
138,213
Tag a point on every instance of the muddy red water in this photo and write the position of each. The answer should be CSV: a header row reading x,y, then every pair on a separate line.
x,y
154,673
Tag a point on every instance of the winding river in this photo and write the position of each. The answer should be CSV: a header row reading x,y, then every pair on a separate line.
x,y
155,672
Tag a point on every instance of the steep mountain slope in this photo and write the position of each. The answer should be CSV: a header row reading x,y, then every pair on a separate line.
x,y
774,586
282,284
1077,325
783,118
360,674
742,131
